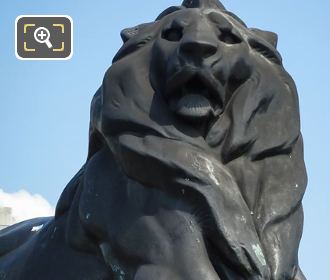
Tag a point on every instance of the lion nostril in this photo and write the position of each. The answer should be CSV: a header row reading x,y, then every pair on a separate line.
x,y
198,49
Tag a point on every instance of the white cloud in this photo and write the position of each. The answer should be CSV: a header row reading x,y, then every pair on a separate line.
x,y
25,205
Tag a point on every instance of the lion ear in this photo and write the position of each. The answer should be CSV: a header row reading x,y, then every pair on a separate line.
x,y
168,11
129,33
268,36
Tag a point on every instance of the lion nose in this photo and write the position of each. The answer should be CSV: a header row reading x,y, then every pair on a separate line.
x,y
198,49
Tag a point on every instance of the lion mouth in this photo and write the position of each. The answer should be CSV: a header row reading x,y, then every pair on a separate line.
x,y
195,95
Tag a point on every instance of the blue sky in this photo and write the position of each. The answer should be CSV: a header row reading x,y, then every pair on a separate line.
x,y
44,106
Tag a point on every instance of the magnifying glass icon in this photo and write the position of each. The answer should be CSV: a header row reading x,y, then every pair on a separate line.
x,y
42,35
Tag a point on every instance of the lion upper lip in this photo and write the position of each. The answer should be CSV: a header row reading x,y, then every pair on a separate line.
x,y
181,78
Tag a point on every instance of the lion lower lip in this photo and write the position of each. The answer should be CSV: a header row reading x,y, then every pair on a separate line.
x,y
193,106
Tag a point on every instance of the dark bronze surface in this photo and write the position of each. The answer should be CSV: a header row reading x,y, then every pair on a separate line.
x,y
195,167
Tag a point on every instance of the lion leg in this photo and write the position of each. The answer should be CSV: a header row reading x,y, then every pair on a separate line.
x,y
183,167
149,233
151,219
169,244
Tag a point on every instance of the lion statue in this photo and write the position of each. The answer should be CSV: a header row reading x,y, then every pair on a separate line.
x,y
195,167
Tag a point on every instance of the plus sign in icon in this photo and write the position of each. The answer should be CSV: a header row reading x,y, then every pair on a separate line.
x,y
44,37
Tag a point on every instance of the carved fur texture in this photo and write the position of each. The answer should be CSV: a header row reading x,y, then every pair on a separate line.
x,y
195,167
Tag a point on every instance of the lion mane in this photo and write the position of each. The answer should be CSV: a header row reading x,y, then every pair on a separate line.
x,y
245,170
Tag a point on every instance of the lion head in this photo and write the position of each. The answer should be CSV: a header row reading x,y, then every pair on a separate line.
x,y
204,103
195,60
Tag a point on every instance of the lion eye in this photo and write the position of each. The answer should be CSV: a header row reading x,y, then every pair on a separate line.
x,y
172,34
228,37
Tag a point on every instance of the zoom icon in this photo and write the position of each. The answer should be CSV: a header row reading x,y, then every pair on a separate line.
x,y
44,37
